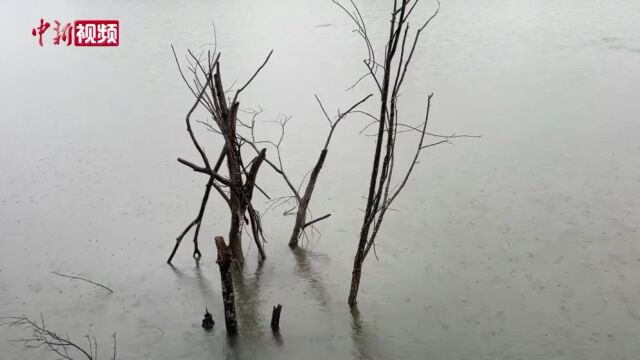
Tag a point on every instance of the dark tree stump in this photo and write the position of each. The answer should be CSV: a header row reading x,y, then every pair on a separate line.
x,y
275,317
224,262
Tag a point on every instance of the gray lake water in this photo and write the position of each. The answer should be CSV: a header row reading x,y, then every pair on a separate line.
x,y
522,244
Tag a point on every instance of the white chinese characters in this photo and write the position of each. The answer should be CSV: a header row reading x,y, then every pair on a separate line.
x,y
96,33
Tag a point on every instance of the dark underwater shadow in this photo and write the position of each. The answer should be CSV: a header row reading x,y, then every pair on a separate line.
x,y
305,270
203,285
248,301
366,344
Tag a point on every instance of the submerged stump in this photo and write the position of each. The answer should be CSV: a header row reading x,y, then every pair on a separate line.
x,y
275,317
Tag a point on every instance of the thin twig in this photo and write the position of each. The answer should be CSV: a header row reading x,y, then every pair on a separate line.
x,y
81,278
253,76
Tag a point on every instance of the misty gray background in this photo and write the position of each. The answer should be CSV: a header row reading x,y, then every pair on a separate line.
x,y
518,245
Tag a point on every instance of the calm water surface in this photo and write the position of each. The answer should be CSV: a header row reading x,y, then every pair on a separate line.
x,y
520,245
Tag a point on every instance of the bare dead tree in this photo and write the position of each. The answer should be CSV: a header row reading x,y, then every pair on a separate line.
x,y
236,187
303,202
49,340
302,199
388,77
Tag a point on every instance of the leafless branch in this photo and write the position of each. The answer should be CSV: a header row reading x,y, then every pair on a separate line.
x,y
49,340
316,220
83,279
253,76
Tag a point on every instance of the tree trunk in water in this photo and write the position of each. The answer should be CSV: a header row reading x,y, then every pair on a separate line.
x,y
235,236
355,278
301,216
303,204
224,261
